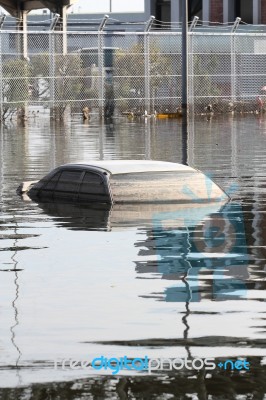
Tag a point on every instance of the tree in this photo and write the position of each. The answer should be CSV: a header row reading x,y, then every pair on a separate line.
x,y
60,79
130,73
16,74
204,68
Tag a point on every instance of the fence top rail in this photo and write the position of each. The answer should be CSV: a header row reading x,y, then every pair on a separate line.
x,y
123,34
227,34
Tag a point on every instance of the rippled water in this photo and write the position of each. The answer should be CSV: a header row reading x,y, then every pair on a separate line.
x,y
78,283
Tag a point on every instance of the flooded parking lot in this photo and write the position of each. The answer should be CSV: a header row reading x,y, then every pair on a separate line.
x,y
77,283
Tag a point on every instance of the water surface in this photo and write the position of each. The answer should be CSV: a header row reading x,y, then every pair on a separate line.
x,y
79,283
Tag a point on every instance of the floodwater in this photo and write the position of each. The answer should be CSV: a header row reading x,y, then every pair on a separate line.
x,y
78,283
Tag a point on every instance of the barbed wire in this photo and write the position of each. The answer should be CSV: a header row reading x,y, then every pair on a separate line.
x,y
73,20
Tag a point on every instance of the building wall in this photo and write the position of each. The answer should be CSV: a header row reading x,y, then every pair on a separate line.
x,y
216,10
263,11
251,11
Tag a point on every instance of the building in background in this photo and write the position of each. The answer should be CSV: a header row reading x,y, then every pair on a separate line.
x,y
82,14
222,11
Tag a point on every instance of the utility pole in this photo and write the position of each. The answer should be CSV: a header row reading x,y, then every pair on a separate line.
x,y
184,55
184,83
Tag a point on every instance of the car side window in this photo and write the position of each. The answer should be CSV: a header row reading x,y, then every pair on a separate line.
x,y
69,181
50,185
92,184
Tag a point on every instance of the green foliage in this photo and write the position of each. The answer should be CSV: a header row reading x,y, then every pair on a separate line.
x,y
67,71
129,68
23,80
16,75
204,67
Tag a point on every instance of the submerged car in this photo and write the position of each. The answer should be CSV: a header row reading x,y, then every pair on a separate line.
x,y
124,181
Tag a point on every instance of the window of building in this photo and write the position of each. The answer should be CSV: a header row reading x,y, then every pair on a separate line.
x,y
163,10
194,9
244,10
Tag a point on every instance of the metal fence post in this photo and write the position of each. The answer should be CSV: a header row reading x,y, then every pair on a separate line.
x,y
190,122
147,86
52,63
184,56
52,72
184,83
64,30
1,79
2,19
22,49
191,64
1,165
101,71
233,60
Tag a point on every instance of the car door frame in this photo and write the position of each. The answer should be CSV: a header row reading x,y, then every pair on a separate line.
x,y
105,175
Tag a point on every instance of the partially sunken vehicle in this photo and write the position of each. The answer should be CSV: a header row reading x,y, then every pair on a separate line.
x,y
124,181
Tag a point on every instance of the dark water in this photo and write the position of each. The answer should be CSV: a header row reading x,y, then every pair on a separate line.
x,y
77,283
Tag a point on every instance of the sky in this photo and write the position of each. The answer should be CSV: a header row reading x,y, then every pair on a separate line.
x,y
101,6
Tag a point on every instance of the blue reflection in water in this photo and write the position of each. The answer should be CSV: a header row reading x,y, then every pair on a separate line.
x,y
218,244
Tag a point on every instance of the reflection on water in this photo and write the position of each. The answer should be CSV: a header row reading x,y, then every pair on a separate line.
x,y
15,270
185,386
215,245
163,282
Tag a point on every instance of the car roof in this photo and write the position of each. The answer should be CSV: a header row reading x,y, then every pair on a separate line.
x,y
131,166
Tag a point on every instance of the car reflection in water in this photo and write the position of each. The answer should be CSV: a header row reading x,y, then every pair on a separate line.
x,y
200,247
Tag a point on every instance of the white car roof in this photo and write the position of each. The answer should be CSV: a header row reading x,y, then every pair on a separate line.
x,y
131,166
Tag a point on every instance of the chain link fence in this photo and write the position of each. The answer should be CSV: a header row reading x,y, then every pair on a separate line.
x,y
125,73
